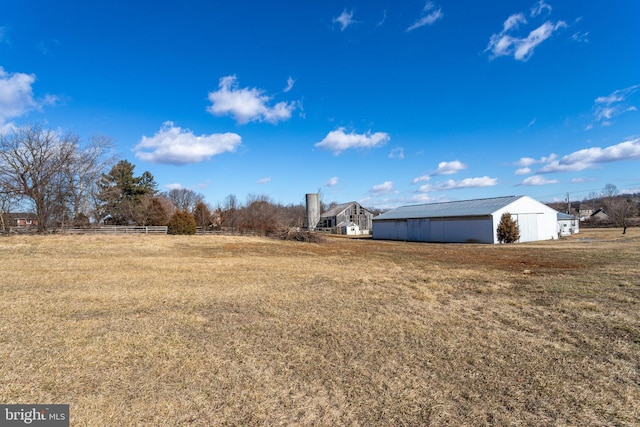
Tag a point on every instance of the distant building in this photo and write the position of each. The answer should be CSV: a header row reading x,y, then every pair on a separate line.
x,y
599,216
22,219
467,221
567,224
584,210
347,218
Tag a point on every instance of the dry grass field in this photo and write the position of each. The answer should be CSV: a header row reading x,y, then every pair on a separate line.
x,y
215,330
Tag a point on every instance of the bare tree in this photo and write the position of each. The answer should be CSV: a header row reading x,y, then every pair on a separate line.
x,y
183,198
619,208
228,214
88,166
51,171
7,200
202,214
609,191
32,161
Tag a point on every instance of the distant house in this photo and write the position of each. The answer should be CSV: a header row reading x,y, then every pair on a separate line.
x,y
584,210
347,218
23,220
599,215
467,221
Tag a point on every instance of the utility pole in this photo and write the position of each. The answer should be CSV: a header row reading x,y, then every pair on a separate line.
x,y
568,204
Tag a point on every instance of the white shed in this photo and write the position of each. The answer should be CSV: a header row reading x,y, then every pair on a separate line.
x,y
567,224
467,221
349,228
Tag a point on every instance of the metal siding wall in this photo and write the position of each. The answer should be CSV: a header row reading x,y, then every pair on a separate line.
x,y
468,230
390,230
436,230
418,230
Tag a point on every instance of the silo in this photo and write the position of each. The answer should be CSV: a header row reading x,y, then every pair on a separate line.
x,y
313,210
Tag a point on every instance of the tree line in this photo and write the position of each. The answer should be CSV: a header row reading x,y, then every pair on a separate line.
x,y
68,182
620,210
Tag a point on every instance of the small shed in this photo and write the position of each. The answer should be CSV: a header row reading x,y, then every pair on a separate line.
x,y
467,221
567,224
348,228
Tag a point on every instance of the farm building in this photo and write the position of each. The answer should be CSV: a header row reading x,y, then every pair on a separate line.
x,y
348,218
467,221
22,219
567,224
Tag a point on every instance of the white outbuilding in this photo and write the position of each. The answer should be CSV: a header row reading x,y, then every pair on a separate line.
x,y
567,224
467,221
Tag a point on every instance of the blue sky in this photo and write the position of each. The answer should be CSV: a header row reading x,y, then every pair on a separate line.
x,y
383,102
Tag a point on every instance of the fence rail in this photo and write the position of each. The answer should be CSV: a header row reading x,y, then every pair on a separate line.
x,y
126,229
117,229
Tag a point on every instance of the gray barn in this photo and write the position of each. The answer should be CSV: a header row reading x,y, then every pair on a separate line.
x,y
467,221
347,216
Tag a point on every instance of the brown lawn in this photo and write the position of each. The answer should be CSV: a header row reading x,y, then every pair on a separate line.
x,y
211,330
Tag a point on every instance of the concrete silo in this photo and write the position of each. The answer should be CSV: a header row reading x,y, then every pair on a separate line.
x,y
313,210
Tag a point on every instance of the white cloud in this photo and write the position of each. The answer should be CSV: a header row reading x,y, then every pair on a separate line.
x,y
16,95
539,8
344,19
433,14
525,162
524,47
449,168
246,104
174,186
421,198
382,189
608,107
589,158
177,146
422,178
338,140
444,168
580,37
508,42
264,180
397,153
332,182
383,20
523,171
451,184
582,180
538,180
513,21
290,82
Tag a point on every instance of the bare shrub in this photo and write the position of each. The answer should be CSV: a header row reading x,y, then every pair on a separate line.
x,y
298,235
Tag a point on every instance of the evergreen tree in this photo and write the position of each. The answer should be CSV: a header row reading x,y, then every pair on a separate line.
x,y
508,231
122,193
182,222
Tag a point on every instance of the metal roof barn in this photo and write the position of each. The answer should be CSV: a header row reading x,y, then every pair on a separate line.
x,y
467,221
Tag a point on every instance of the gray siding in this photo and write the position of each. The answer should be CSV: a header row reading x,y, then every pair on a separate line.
x,y
452,230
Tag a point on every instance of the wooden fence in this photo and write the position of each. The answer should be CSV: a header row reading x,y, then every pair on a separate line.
x,y
117,229
126,229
